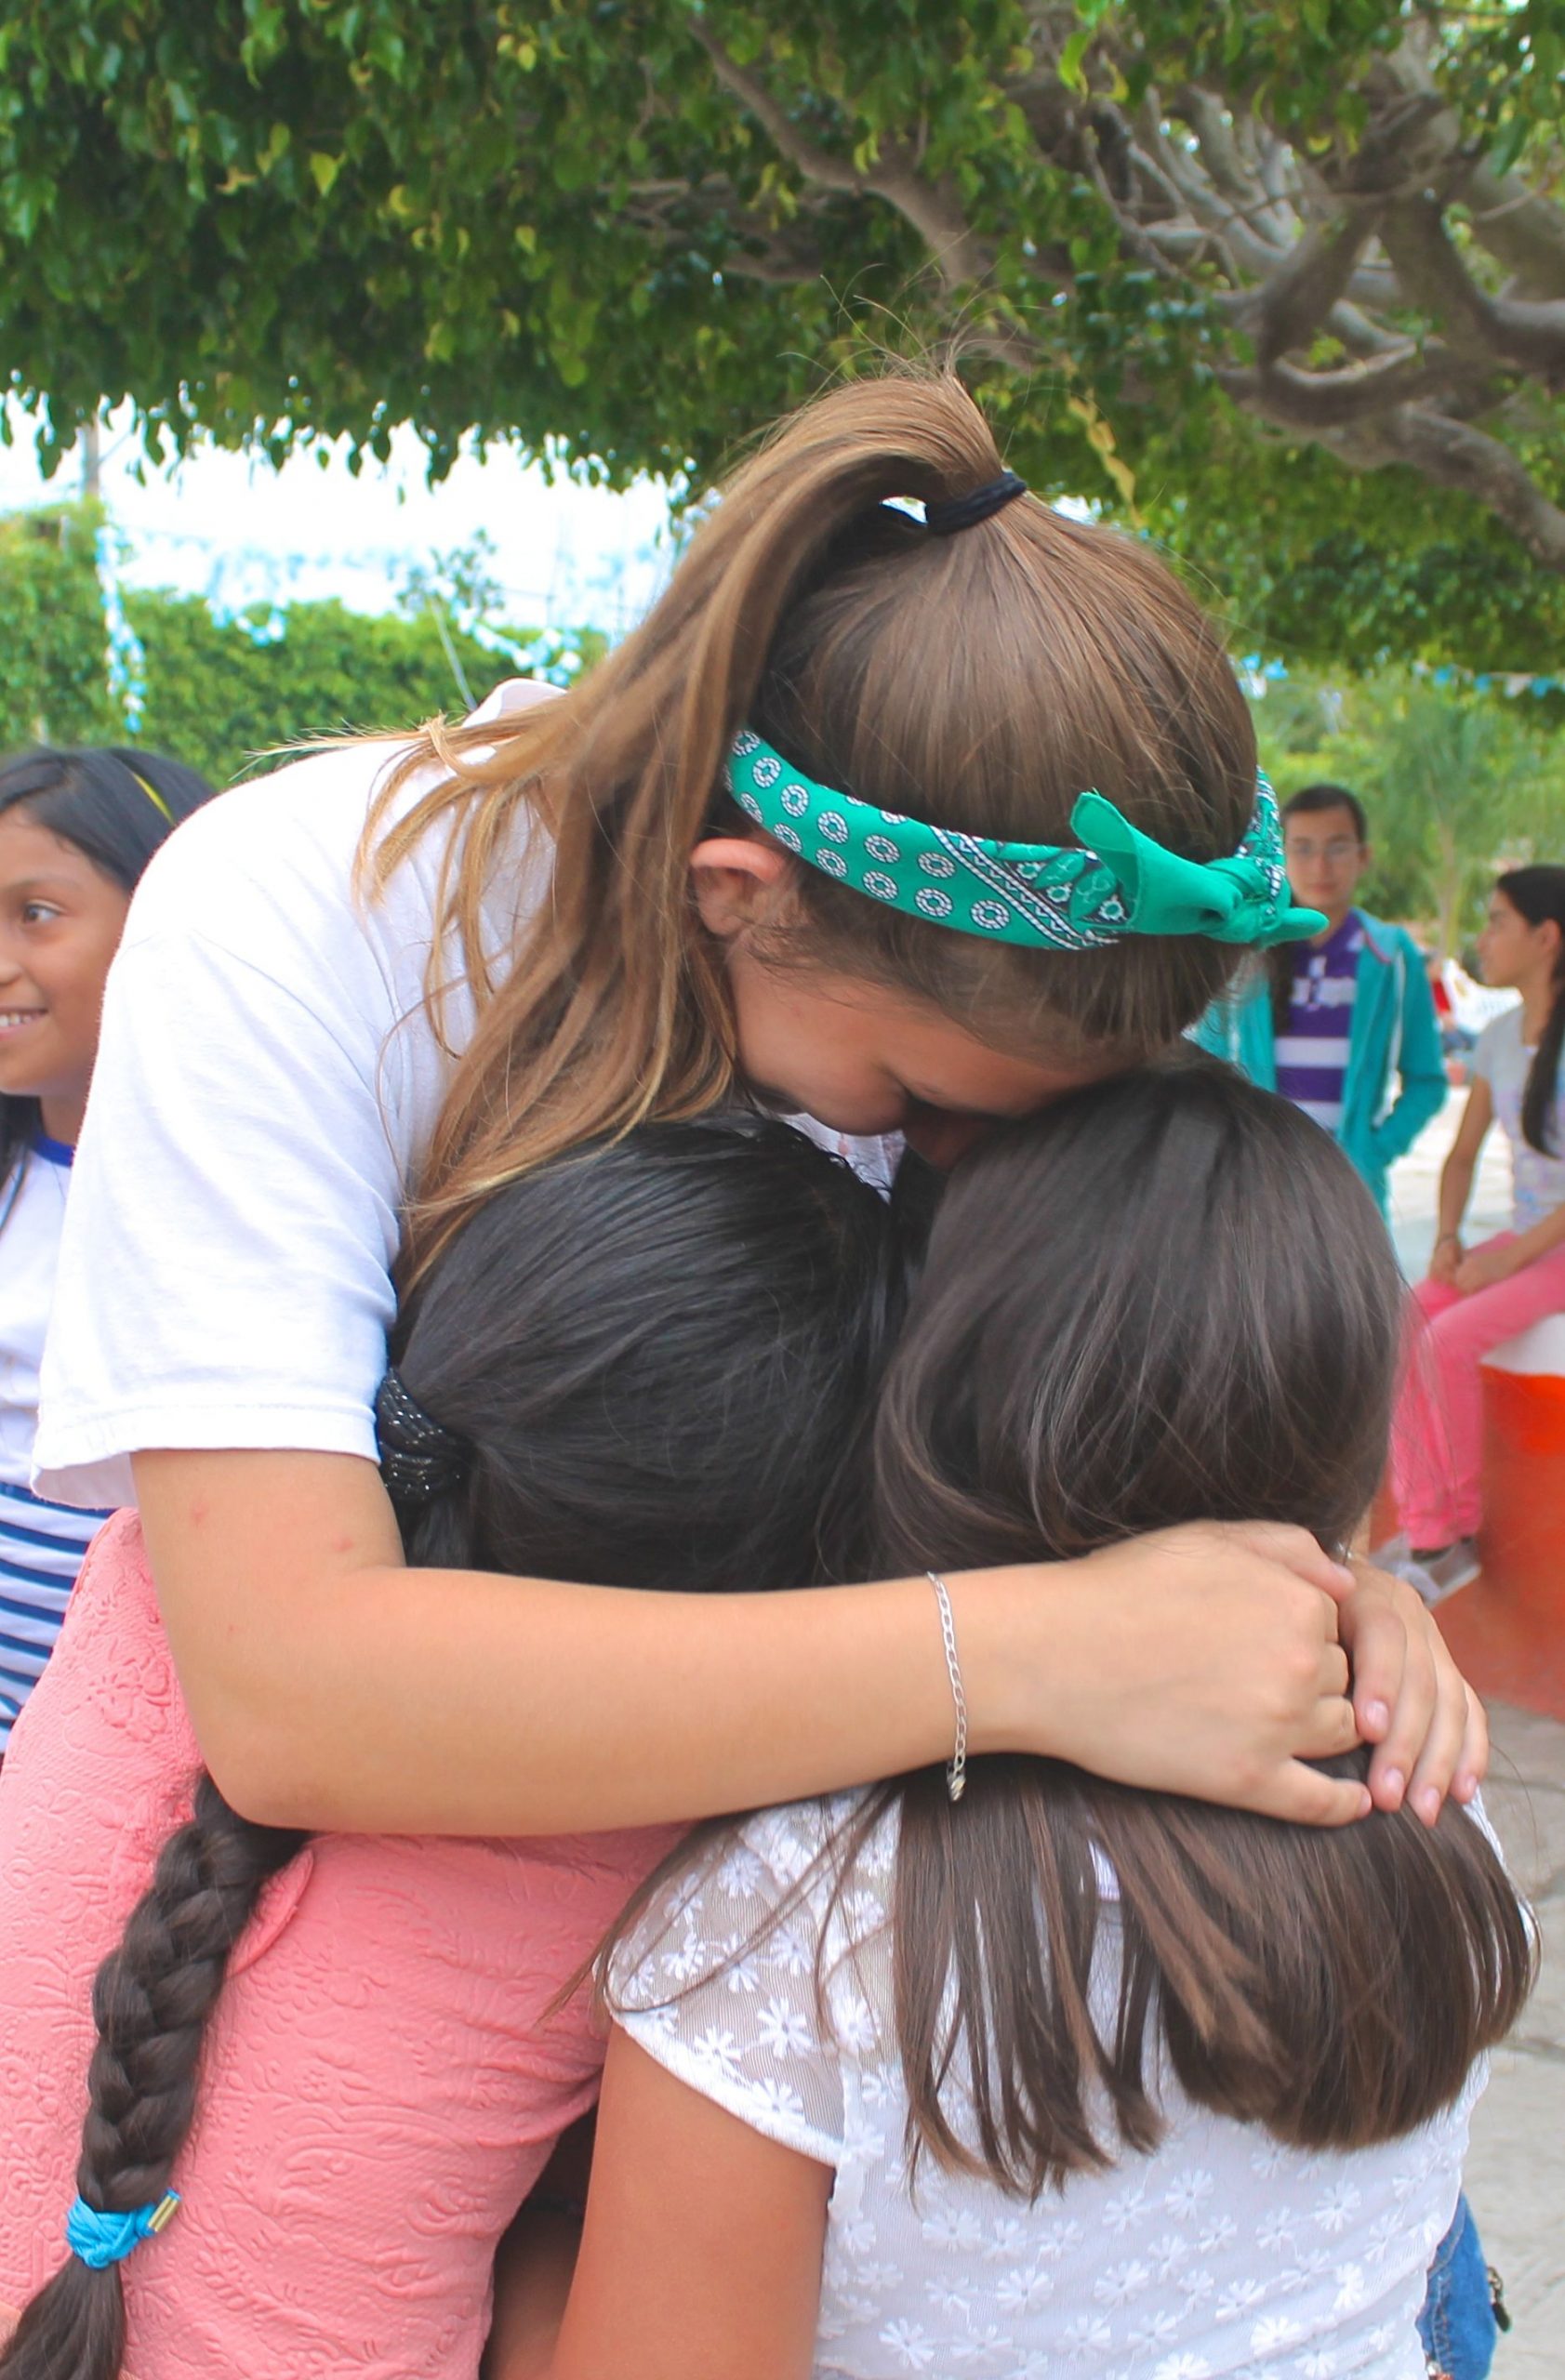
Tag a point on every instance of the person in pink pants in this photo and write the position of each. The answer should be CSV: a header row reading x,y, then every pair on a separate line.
x,y
349,2055
1475,1299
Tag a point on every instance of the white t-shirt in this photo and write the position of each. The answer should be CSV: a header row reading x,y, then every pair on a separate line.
x,y
34,1207
41,1545
1223,2253
266,1082
1503,1060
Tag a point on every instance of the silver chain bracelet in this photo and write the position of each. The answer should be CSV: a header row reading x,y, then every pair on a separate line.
x,y
956,1768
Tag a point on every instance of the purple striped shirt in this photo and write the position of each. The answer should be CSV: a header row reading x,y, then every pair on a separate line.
x,y
1312,1052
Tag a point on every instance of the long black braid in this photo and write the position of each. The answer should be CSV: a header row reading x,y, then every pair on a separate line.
x,y
150,2001
153,1997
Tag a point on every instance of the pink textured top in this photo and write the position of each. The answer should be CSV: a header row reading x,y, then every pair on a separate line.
x,y
380,2084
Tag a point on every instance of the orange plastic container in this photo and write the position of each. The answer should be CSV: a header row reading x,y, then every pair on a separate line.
x,y
1508,1630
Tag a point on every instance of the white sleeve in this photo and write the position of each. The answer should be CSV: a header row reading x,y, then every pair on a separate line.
x,y
722,1991
1486,1050
225,1269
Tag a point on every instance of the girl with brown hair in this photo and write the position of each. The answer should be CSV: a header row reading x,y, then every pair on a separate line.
x,y
1004,2068
386,985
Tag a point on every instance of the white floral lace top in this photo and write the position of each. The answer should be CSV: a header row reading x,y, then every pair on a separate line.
x,y
1222,2254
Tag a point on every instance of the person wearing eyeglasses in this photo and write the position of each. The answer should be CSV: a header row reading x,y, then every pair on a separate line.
x,y
1343,1025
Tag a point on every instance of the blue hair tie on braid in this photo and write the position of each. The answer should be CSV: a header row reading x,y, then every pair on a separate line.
x,y
101,2240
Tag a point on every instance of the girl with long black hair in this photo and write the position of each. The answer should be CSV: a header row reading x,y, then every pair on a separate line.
x,y
339,2055
1476,1298
77,829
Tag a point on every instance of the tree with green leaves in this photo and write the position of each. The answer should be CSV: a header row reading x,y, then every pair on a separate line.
x,y
1282,279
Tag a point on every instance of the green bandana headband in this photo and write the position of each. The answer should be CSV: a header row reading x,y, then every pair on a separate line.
x,y
1052,896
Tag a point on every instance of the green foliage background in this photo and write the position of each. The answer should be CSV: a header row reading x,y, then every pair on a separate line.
x,y
218,692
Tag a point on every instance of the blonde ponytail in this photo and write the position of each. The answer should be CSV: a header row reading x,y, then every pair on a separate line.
x,y
984,679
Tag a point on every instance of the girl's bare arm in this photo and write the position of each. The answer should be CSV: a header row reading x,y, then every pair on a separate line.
x,y
333,1688
533,2274
700,2258
1456,1175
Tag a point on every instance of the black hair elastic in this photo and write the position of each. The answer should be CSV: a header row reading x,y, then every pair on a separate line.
x,y
420,1459
966,511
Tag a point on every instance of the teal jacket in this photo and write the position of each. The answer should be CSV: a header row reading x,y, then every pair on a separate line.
x,y
1396,1079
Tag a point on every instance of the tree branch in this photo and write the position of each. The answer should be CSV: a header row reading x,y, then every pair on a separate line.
x,y
1342,246
1361,336
1358,393
1252,192
783,269
1521,231
1527,333
1455,455
1247,249
1292,302
818,164
958,254
1393,153
1274,164
754,247
1209,121
1135,235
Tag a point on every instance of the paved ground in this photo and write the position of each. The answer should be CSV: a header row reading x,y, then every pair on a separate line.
x,y
1516,2170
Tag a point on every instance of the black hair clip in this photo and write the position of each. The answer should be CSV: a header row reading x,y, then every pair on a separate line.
x,y
966,511
420,1459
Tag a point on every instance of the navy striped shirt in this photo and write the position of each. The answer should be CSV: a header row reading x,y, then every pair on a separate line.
x,y
1312,1052
41,1550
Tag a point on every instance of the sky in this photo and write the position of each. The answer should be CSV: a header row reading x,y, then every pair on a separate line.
x,y
233,529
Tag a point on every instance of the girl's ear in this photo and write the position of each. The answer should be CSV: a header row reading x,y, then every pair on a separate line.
x,y
740,882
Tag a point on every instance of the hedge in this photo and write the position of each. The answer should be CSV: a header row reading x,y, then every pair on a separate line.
x,y
225,694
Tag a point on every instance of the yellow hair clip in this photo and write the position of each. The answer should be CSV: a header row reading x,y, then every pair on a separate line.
x,y
153,797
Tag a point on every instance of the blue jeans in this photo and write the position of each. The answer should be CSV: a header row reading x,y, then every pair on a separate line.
x,y
1457,2325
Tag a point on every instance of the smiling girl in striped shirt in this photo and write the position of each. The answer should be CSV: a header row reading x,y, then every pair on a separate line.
x,y
77,829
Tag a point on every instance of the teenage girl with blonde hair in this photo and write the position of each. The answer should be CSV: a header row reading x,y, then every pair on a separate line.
x,y
574,918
